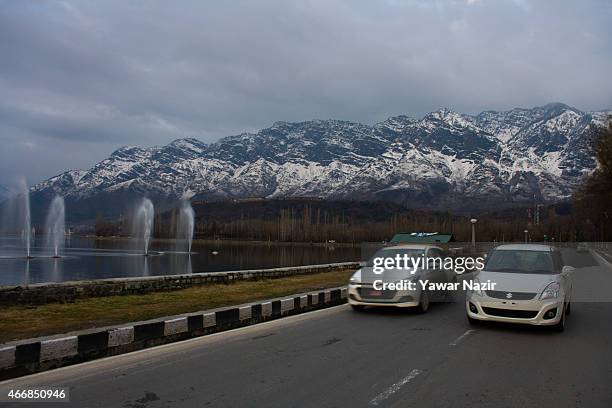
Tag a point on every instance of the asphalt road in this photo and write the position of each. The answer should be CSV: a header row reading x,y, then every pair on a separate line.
x,y
340,358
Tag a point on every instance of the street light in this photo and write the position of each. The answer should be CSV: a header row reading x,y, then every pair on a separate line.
x,y
473,221
526,235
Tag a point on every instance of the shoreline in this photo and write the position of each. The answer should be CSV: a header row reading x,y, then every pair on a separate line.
x,y
237,242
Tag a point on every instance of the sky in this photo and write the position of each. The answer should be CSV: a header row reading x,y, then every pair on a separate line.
x,y
78,79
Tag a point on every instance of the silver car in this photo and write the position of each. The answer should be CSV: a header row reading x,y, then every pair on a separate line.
x,y
362,291
532,286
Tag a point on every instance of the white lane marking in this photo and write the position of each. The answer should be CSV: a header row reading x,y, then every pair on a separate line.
x,y
395,387
458,339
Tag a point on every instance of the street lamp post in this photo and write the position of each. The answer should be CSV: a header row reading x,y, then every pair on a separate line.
x,y
526,235
473,221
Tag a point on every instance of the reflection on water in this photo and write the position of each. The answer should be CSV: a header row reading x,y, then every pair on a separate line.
x,y
85,259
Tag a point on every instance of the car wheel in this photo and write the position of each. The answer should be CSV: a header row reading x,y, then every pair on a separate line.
x,y
561,325
424,302
472,321
568,308
358,308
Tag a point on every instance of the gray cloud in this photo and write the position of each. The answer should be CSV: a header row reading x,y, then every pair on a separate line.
x,y
80,78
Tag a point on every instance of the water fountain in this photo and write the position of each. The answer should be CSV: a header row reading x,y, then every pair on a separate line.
x,y
145,269
185,225
27,221
26,275
143,223
55,226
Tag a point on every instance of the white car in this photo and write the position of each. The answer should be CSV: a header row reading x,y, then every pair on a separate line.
x,y
532,286
362,293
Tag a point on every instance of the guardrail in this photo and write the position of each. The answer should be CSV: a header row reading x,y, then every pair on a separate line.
x,y
34,355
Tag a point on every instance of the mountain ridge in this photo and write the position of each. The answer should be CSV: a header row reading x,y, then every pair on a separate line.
x,y
443,159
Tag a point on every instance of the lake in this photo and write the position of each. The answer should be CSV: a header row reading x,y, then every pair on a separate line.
x,y
89,258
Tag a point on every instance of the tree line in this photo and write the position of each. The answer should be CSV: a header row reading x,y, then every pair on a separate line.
x,y
593,202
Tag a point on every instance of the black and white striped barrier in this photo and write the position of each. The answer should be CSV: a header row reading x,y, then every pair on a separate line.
x,y
34,355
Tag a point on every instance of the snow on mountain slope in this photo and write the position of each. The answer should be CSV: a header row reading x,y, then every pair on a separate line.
x,y
444,158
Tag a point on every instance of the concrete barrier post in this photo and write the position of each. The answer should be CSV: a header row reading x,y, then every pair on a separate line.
x,y
343,293
175,326
244,313
58,348
209,320
120,336
286,306
266,309
7,356
303,302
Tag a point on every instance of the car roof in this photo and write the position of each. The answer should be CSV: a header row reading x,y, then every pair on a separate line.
x,y
412,246
525,247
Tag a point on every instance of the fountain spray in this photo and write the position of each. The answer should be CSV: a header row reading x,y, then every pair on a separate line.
x,y
144,222
26,232
185,224
55,225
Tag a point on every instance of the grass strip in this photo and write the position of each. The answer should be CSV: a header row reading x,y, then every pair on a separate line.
x,y
22,322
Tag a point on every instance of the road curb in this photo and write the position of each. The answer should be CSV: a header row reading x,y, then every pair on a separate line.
x,y
41,354
604,255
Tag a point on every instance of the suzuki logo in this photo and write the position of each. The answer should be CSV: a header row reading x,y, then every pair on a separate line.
x,y
509,295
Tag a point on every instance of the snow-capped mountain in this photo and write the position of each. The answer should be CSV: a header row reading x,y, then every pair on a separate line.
x,y
442,159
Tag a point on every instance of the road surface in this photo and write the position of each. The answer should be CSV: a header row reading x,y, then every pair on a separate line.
x,y
340,358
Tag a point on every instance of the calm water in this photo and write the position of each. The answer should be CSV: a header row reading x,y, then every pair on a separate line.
x,y
98,259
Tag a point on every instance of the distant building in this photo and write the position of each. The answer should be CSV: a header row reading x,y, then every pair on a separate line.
x,y
422,238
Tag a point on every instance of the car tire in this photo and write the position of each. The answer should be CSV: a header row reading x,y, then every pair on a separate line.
x,y
568,308
358,308
424,302
559,327
472,321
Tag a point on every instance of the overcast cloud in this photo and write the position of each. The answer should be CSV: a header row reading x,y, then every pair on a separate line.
x,y
80,78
